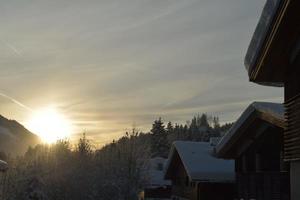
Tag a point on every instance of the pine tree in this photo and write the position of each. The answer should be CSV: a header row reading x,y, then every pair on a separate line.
x,y
193,129
84,147
170,128
159,144
203,121
216,123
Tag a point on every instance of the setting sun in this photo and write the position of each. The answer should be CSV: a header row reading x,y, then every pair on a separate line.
x,y
50,125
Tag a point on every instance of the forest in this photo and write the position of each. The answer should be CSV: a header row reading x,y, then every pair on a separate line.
x,y
117,171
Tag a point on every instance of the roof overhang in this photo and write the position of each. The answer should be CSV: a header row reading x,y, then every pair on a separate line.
x,y
248,127
274,43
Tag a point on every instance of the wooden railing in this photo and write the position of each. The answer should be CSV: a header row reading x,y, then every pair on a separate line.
x,y
263,185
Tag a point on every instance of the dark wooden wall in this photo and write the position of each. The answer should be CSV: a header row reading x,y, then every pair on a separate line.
x,y
292,104
261,173
182,186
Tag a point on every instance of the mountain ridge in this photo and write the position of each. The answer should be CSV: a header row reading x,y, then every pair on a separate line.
x,y
15,138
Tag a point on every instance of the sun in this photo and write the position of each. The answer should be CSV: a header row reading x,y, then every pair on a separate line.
x,y
49,124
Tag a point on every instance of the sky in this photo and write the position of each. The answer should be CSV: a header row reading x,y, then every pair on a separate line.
x,y
109,65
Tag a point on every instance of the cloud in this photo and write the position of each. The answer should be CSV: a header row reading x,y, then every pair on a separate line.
x,y
108,64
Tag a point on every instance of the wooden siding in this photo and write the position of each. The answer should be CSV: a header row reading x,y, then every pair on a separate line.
x,y
292,131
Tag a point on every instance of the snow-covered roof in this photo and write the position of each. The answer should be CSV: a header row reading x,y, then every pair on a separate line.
x,y
274,109
3,166
270,112
261,32
199,162
156,175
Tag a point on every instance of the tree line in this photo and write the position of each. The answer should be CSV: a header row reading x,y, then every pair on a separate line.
x,y
117,171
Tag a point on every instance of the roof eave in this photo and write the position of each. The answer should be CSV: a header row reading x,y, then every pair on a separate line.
x,y
264,65
223,149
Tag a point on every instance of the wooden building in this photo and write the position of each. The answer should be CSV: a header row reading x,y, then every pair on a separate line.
x,y
197,175
273,59
255,142
157,188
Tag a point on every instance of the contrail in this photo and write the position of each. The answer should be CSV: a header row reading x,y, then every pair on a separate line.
x,y
16,102
12,48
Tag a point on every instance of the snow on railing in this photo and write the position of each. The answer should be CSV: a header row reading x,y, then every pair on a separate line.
x,y
3,166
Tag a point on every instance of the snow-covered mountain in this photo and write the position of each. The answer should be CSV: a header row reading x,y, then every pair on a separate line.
x,y
15,138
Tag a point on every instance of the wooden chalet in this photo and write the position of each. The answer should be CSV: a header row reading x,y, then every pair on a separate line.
x,y
255,142
273,59
197,175
157,188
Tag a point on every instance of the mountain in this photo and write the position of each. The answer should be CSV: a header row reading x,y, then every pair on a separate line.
x,y
15,138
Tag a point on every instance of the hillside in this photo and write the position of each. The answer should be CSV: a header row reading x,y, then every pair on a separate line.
x,y
14,137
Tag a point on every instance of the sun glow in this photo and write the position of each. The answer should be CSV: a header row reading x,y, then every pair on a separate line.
x,y
50,125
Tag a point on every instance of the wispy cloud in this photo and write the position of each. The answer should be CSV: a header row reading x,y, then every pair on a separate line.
x,y
16,102
108,64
